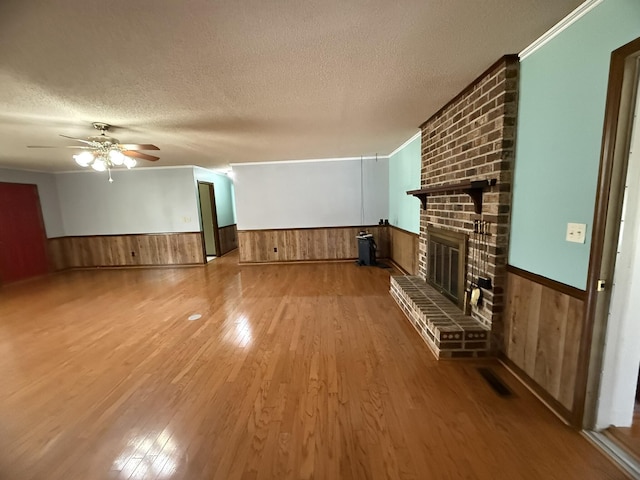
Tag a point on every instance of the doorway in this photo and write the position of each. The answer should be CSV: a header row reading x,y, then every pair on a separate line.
x,y
618,410
612,413
208,221
23,243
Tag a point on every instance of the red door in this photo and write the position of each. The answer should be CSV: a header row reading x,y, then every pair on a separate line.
x,y
23,251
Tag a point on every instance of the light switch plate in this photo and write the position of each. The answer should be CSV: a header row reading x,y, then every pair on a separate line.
x,y
576,232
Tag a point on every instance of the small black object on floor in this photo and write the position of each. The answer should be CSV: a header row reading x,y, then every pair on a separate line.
x,y
495,382
366,249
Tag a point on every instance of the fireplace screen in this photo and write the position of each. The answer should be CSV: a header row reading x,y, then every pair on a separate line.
x,y
447,255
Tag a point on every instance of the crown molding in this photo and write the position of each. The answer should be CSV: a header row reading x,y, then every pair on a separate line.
x,y
343,159
417,134
559,27
29,170
137,168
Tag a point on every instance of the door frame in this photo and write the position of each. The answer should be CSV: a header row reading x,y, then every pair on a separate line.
x,y
214,215
606,227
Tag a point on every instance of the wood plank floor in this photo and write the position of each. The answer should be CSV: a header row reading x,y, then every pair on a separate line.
x,y
293,372
628,437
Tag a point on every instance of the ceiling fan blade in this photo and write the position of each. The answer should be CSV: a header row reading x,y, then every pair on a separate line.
x,y
67,146
136,146
143,156
78,139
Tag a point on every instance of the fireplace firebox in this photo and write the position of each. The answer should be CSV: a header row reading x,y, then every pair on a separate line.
x,y
447,258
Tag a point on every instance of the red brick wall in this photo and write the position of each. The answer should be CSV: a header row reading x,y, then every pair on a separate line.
x,y
473,138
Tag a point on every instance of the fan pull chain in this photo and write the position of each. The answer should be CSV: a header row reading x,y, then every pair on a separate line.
x,y
110,179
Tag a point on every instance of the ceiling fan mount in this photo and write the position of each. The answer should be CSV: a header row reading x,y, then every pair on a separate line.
x,y
103,139
103,127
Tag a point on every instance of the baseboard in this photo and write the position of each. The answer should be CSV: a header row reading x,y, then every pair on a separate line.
x,y
551,403
129,267
328,260
398,267
228,252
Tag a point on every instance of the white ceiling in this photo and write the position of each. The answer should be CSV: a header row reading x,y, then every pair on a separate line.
x,y
214,82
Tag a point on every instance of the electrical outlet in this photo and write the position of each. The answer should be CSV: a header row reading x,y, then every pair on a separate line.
x,y
275,249
576,232
133,254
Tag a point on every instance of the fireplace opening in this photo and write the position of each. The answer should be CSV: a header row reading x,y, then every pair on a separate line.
x,y
446,267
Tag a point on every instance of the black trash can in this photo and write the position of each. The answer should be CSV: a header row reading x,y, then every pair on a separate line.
x,y
366,249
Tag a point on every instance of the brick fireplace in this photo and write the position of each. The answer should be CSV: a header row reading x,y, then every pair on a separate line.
x,y
471,139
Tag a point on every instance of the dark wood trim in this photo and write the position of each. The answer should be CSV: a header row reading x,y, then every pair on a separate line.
x,y
214,220
403,230
214,215
473,188
121,235
317,260
547,282
609,135
504,59
129,267
225,244
228,252
203,242
554,404
204,248
398,267
308,228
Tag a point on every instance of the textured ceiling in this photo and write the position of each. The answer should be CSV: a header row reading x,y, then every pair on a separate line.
x,y
214,82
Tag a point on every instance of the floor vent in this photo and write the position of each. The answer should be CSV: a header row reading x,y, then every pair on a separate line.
x,y
495,382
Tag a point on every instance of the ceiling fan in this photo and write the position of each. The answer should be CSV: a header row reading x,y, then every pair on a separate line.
x,y
102,152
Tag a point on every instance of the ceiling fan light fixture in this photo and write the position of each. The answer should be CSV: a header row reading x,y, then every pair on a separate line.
x,y
129,162
116,157
84,159
99,165
102,152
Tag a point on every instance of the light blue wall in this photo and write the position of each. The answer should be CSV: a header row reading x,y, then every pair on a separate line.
x,y
314,193
223,190
139,201
404,174
563,89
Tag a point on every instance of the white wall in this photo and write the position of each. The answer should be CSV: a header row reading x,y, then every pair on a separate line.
x,y
317,193
621,358
146,200
48,192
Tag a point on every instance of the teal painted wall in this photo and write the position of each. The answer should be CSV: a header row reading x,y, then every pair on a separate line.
x,y
563,90
404,174
223,190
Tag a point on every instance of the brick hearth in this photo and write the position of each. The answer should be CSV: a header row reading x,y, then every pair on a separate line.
x,y
446,330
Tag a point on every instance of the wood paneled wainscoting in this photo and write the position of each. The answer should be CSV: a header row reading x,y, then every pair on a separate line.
x,y
543,328
403,249
307,244
126,250
228,238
